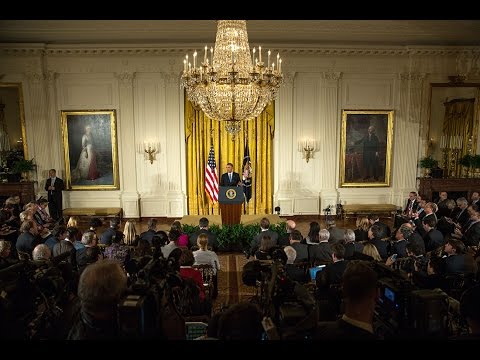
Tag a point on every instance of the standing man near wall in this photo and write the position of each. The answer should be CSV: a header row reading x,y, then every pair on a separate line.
x,y
54,186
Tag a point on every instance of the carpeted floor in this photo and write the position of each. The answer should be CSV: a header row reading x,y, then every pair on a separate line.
x,y
231,289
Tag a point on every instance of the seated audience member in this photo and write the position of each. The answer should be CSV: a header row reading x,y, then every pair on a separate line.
x,y
94,224
117,251
242,321
296,239
199,304
320,253
332,274
375,238
48,238
415,237
203,224
5,251
130,233
64,246
263,252
371,250
89,240
434,277
336,234
142,249
432,237
384,229
361,232
173,236
151,231
351,246
470,232
27,240
313,234
294,272
73,221
41,252
100,288
399,245
475,198
284,240
360,297
264,230
108,234
205,256
183,238
41,216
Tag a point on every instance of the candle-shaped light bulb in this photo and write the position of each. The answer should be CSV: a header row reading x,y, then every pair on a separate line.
x,y
280,65
278,57
273,66
268,58
211,55
253,57
184,65
195,59
205,54
260,54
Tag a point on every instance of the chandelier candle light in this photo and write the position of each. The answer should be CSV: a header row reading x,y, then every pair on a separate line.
x,y
232,85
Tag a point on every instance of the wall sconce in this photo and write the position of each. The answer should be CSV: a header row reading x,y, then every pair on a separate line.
x,y
149,149
307,147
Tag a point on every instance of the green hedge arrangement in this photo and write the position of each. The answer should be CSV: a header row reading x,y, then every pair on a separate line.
x,y
236,237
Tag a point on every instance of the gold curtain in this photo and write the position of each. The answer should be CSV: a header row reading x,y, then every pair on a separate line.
x,y
459,120
200,131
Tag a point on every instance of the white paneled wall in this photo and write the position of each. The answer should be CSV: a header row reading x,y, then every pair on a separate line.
x,y
142,84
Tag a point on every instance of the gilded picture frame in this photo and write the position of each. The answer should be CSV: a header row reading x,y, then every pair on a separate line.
x,y
90,149
366,148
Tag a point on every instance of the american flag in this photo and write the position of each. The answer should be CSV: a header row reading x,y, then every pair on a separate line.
x,y
211,178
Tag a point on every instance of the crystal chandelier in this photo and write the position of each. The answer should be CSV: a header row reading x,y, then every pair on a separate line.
x,y
232,84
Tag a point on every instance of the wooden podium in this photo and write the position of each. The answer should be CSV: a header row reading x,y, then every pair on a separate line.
x,y
231,200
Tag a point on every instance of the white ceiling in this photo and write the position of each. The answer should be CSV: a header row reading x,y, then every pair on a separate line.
x,y
285,32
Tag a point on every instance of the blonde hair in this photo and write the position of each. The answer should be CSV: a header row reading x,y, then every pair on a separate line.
x,y
363,223
202,241
130,232
371,250
73,221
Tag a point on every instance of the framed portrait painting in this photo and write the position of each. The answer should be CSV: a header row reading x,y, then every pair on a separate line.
x,y
366,148
90,149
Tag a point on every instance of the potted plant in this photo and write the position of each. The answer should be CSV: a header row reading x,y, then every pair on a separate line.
x,y
23,166
428,163
475,163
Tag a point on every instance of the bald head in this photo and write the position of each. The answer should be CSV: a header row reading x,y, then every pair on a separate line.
x,y
290,225
41,252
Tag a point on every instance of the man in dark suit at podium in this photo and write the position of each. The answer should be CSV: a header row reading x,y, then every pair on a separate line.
x,y
230,178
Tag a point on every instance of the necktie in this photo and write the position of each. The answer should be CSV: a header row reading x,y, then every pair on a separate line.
x,y
230,176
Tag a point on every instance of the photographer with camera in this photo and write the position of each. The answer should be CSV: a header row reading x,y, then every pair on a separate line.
x,y
100,289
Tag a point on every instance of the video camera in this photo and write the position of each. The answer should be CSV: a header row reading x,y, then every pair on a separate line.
x,y
404,311
289,304
141,313
33,293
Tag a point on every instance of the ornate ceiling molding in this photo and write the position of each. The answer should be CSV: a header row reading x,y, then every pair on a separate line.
x,y
73,50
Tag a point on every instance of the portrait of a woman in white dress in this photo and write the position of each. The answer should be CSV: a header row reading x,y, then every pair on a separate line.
x,y
87,161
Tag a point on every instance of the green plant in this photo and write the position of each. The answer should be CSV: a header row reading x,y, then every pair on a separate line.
x,y
428,162
235,237
475,161
23,165
466,160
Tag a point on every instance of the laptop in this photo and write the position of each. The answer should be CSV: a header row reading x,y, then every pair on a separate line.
x,y
313,271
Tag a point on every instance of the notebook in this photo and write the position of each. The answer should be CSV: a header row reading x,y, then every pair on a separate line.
x,y
313,271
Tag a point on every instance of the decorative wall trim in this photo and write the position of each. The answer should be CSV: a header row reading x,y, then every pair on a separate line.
x,y
149,49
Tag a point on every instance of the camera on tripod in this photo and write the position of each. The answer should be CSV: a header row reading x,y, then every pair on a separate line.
x,y
328,210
